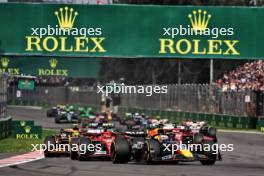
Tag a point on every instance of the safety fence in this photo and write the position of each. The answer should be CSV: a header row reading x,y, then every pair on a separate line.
x,y
5,121
41,96
196,98
184,98
3,96
192,101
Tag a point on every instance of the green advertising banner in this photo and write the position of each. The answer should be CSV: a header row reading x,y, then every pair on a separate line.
x,y
26,84
131,31
51,66
26,130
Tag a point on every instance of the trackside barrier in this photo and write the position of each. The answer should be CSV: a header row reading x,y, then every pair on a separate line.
x,y
185,97
261,124
209,106
5,127
218,120
4,120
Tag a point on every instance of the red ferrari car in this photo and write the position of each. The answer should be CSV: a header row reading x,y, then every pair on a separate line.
x,y
95,142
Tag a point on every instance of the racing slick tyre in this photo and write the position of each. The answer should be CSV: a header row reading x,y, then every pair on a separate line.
x,y
151,151
73,149
212,132
57,119
211,154
49,141
49,113
198,138
207,130
83,152
120,150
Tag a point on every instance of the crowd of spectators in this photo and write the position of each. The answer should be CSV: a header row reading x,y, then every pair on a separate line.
x,y
52,81
249,76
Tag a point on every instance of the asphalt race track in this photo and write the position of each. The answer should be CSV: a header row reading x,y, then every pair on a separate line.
x,y
247,159
39,116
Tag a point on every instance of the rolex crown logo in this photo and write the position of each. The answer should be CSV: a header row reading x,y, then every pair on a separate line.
x,y
27,129
5,62
199,20
22,123
66,17
53,63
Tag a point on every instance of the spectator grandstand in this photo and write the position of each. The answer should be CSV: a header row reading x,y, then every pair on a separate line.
x,y
249,76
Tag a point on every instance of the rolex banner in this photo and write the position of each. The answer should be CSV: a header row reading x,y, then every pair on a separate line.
x,y
25,130
131,31
50,66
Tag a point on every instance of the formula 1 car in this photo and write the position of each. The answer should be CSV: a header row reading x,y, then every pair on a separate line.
x,y
166,145
60,144
94,142
54,111
85,112
103,118
134,120
195,126
140,119
155,122
68,114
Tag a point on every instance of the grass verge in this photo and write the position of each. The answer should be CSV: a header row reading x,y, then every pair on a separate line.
x,y
11,144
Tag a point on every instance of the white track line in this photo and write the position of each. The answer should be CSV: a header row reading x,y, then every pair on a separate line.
x,y
238,131
21,159
25,107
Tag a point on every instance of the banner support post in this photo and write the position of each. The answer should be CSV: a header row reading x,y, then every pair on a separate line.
x,y
211,71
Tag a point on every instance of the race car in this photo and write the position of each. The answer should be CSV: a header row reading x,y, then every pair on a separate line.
x,y
161,145
128,147
60,144
140,119
54,111
195,126
134,120
68,114
155,122
85,122
94,142
84,112
103,118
